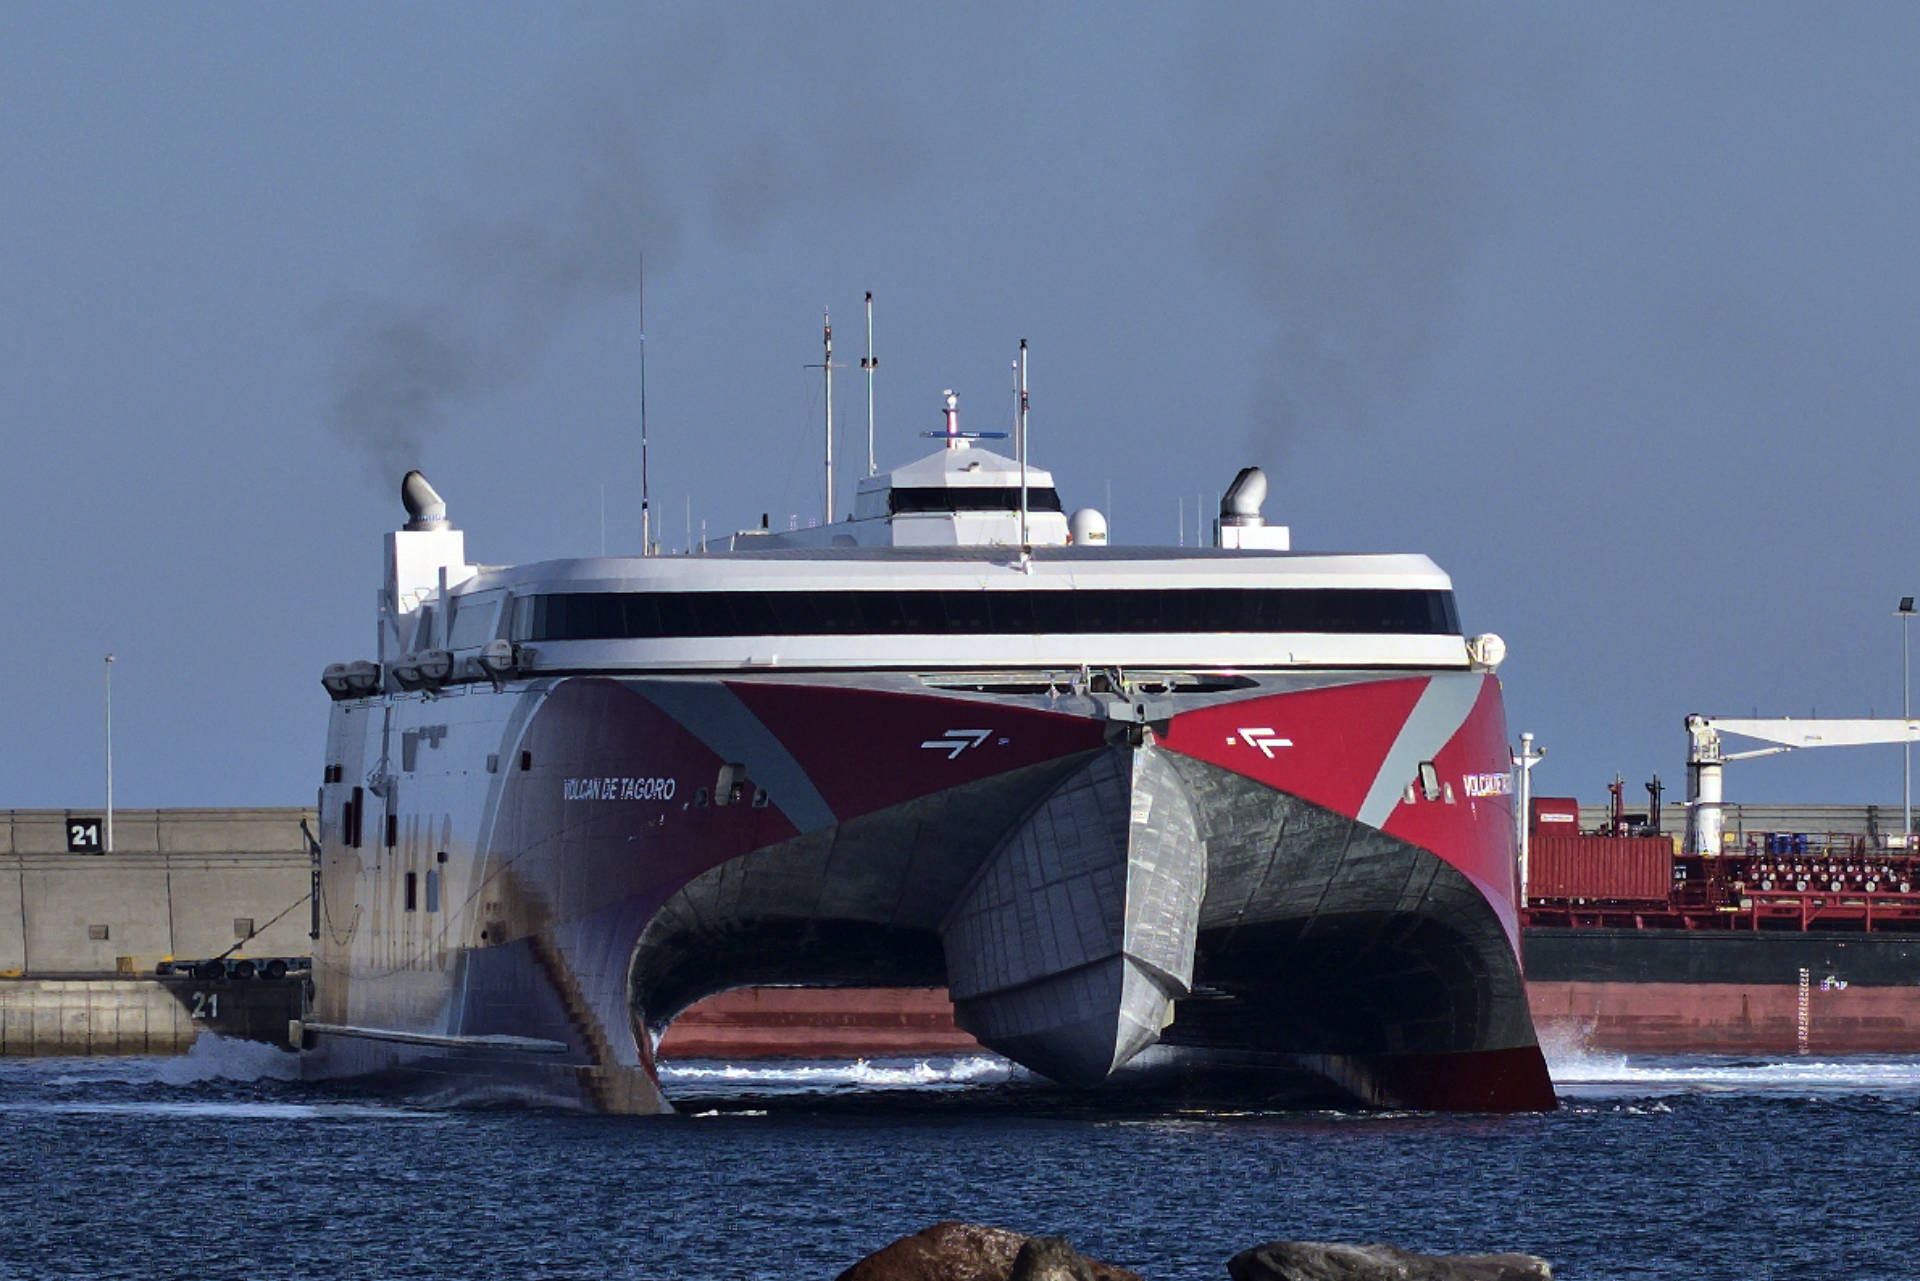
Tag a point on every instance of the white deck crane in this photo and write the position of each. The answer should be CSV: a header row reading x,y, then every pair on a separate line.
x,y
1705,760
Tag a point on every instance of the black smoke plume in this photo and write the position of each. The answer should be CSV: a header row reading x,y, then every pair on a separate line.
x,y
724,125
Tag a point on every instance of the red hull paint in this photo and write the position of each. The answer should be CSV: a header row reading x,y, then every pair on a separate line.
x,y
1512,1080
1341,735
1474,833
589,728
817,724
592,728
1336,738
1725,1018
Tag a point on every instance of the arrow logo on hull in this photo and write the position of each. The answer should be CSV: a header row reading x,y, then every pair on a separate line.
x,y
957,741
1263,737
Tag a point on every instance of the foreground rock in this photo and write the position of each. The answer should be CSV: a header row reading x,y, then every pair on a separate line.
x,y
974,1252
1324,1261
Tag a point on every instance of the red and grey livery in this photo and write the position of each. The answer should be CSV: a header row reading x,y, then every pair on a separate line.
x,y
1223,822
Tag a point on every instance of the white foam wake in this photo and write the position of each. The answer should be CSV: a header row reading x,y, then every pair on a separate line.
x,y
219,1058
219,1078
1603,1076
211,1109
212,1058
859,1074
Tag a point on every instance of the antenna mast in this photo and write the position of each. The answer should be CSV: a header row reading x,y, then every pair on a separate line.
x,y
646,525
870,364
1025,543
827,323
828,366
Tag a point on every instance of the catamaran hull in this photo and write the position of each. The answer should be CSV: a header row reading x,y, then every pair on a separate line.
x,y
1282,878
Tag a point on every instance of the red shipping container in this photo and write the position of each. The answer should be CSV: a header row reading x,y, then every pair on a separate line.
x,y
1555,816
1621,869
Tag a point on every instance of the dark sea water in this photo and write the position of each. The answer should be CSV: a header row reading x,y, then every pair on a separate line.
x,y
220,1165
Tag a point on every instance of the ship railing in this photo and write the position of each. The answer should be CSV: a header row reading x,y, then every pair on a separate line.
x,y
1849,883
1736,905
1791,911
1806,845
1868,912
1843,881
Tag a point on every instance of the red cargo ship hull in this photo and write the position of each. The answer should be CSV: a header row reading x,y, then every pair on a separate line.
x,y
818,1023
1725,1018
1781,944
1725,991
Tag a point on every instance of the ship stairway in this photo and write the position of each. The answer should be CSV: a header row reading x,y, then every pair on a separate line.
x,y
612,1086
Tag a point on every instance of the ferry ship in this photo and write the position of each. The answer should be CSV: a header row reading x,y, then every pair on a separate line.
x,y
1214,820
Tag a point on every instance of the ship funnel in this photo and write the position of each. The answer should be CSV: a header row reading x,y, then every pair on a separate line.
x,y
1241,526
1240,505
425,508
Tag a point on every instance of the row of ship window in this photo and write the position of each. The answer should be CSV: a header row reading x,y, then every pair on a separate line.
x,y
654,615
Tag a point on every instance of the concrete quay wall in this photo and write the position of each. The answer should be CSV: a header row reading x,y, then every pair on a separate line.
x,y
93,1016
182,883
142,1015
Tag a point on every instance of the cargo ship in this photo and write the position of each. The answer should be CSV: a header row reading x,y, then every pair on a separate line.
x,y
1214,820
1743,933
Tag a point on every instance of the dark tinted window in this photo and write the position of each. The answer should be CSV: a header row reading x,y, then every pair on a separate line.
x,y
639,615
977,498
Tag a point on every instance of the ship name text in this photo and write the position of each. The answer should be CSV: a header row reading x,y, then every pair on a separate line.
x,y
617,789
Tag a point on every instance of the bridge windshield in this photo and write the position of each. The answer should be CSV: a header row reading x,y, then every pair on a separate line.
x,y
645,615
971,498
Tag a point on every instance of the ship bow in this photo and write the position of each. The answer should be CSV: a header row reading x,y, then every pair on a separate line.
x,y
1070,946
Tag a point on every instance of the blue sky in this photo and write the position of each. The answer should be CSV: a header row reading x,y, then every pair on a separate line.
x,y
1609,310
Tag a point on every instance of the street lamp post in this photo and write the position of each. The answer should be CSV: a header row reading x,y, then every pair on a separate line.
x,y
109,841
1906,714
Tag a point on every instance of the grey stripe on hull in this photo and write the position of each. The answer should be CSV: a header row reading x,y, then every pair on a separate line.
x,y
1443,708
713,714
